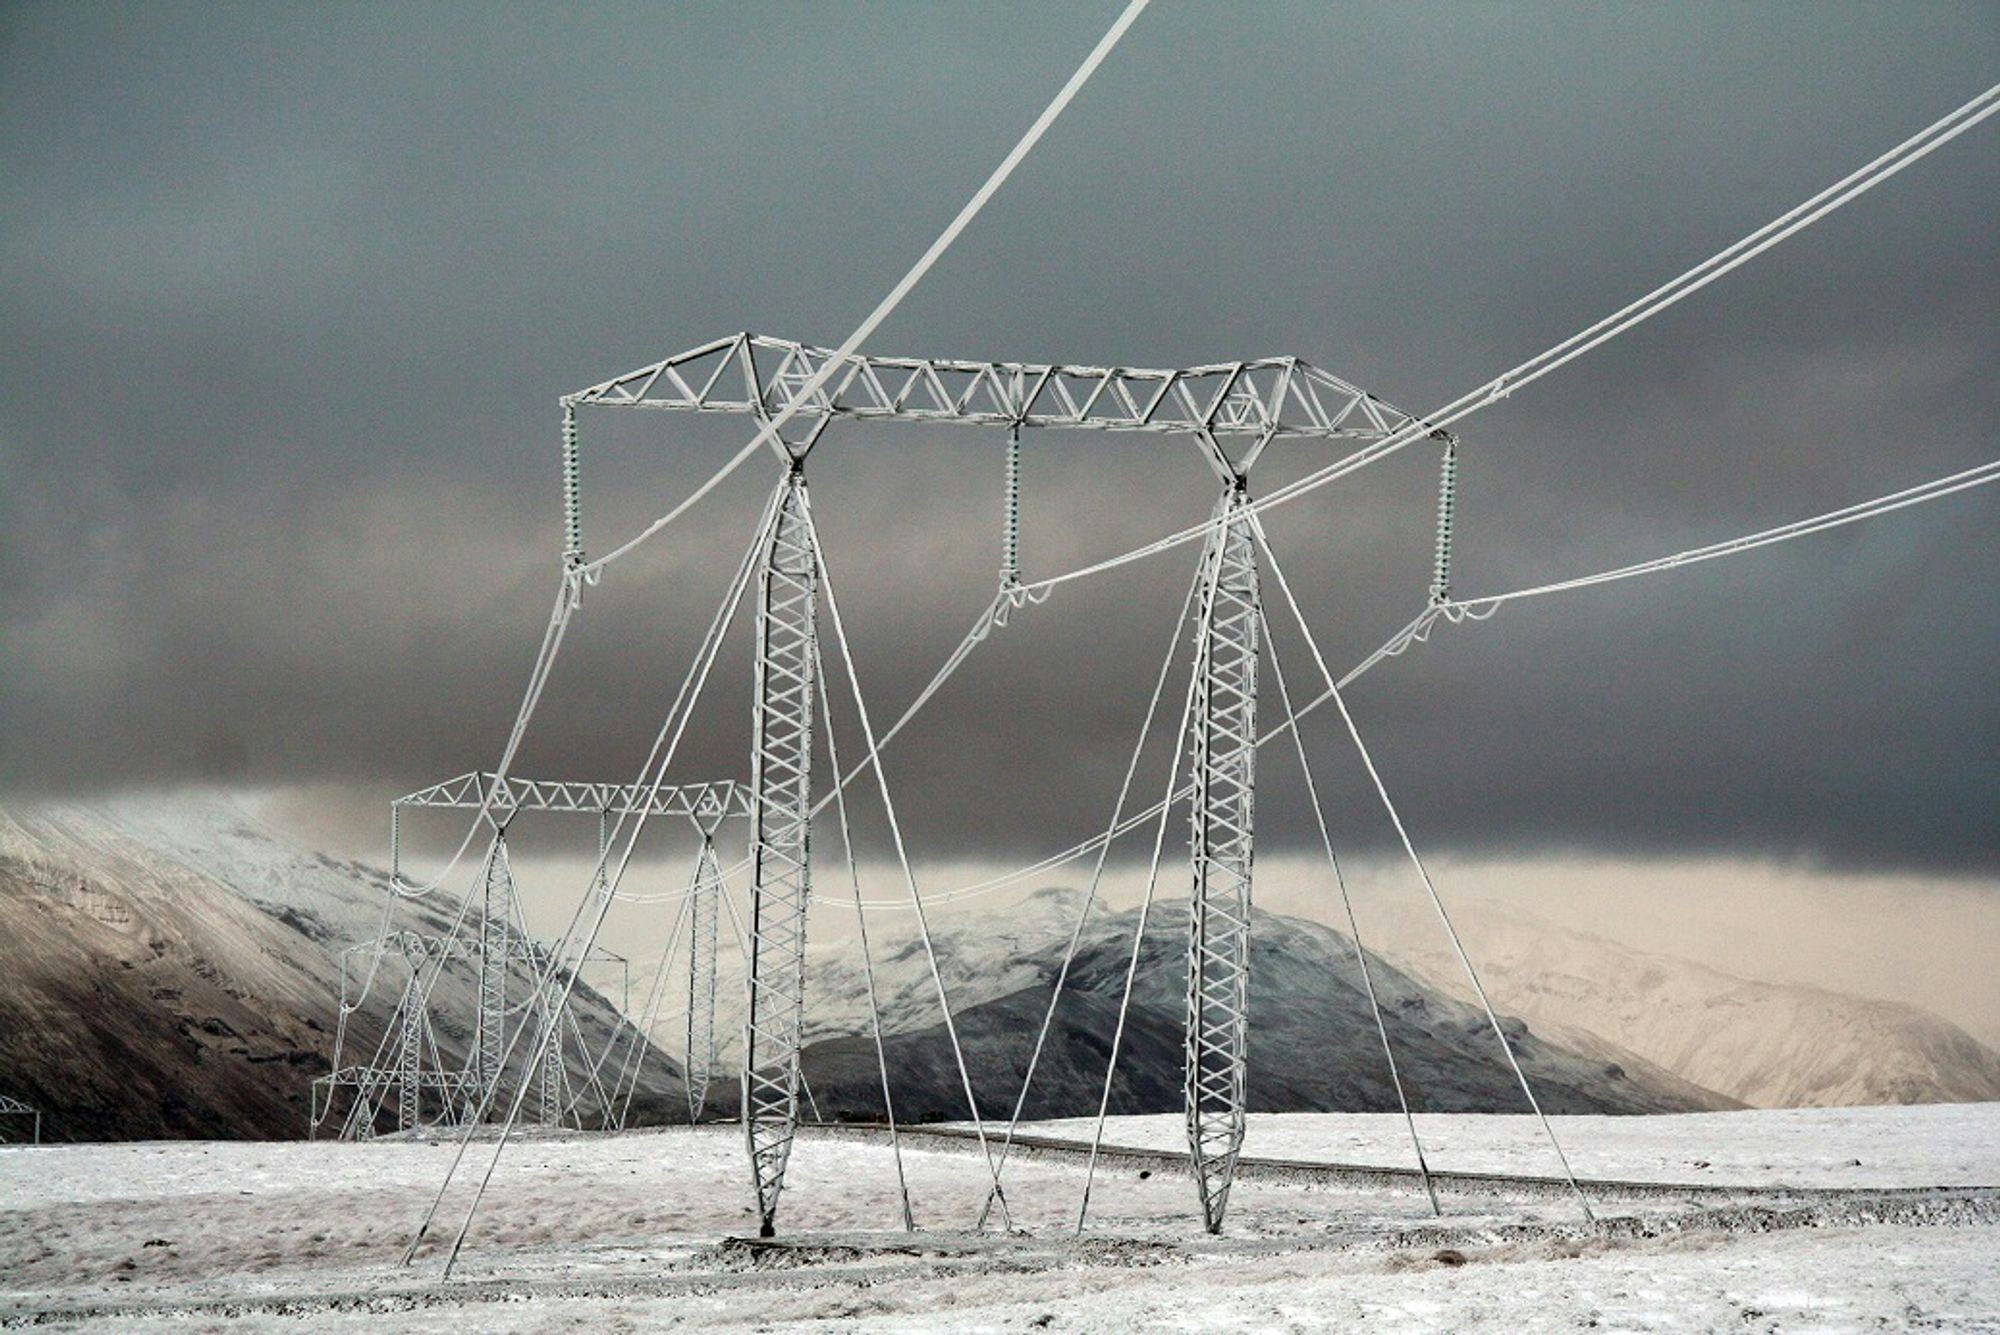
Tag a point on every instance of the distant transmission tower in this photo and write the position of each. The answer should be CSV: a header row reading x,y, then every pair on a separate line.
x,y
409,1080
413,1080
13,1108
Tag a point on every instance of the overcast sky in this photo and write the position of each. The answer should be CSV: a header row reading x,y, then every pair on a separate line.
x,y
290,292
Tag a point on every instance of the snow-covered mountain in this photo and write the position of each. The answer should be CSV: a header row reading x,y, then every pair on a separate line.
x,y
170,967
1312,1046
1767,1045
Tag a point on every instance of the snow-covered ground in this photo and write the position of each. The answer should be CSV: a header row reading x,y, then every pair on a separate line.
x,y
636,1230
1946,1144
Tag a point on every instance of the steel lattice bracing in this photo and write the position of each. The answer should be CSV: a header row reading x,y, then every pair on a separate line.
x,y
699,1053
490,1039
13,1107
413,1074
410,1056
552,1055
759,376
781,782
1224,752
504,796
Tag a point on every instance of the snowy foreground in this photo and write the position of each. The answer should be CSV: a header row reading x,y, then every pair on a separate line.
x,y
1807,1220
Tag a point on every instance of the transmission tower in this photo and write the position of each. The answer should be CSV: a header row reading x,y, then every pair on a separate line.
x,y
705,806
410,1054
1249,404
776,381
781,779
410,1069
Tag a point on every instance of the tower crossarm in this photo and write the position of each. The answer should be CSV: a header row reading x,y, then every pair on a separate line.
x,y
758,376
503,796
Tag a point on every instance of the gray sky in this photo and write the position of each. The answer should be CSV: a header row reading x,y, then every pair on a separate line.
x,y
290,292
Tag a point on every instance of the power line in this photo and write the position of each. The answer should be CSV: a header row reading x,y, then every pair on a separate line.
x,y
1794,220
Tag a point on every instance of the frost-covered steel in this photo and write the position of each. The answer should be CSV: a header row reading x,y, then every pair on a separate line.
x,y
503,795
781,781
1224,753
552,1079
490,1043
759,376
410,1056
700,1049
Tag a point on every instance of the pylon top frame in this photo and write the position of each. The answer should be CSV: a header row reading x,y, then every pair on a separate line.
x,y
756,375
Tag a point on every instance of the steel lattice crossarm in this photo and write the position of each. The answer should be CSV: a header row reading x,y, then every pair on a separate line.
x,y
758,376
415,946
505,796
370,1077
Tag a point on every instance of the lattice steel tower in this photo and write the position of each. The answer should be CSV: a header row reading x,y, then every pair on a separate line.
x,y
1224,752
787,665
490,1037
410,1055
705,893
1232,412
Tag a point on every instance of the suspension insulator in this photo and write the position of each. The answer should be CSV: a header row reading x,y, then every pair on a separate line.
x,y
1447,503
572,484
603,846
1010,537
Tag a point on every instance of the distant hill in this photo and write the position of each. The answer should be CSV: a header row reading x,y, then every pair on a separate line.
x,y
168,967
1312,1046
1768,1045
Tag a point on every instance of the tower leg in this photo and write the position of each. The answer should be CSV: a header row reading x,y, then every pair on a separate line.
x,y
489,1043
1224,753
409,1055
781,786
700,1051
552,1056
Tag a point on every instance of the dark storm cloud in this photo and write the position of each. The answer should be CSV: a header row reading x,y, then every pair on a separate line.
x,y
290,293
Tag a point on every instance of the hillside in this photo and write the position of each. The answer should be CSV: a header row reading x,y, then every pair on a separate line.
x,y
1313,1045
1767,1045
171,969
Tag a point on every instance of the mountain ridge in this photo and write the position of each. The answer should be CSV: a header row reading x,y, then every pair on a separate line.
x,y
1765,1044
172,968
1312,1043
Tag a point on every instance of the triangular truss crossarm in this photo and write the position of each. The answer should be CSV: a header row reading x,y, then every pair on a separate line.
x,y
13,1107
502,795
759,376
